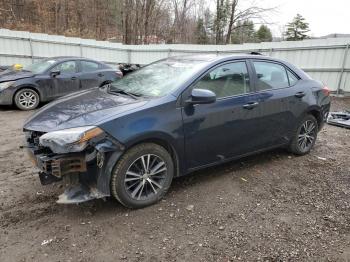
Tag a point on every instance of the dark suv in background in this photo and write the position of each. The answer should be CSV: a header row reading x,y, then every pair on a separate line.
x,y
51,78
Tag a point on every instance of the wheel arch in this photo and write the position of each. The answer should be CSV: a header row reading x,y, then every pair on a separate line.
x,y
105,83
163,142
34,88
317,113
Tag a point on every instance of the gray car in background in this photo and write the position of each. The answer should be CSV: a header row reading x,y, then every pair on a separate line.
x,y
52,78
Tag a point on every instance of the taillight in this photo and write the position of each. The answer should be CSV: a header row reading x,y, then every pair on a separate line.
x,y
119,74
326,91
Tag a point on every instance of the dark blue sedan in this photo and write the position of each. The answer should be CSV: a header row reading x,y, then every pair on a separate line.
x,y
128,140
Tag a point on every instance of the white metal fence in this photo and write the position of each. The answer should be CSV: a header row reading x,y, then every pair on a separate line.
x,y
323,59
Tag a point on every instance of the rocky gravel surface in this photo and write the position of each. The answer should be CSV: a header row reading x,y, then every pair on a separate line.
x,y
269,207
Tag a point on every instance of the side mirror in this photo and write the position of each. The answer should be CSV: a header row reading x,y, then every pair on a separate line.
x,y
201,96
55,73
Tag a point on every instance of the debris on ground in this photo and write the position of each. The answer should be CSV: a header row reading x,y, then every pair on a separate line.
x,y
190,207
46,242
341,119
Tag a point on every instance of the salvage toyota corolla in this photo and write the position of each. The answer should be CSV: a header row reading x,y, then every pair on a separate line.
x,y
129,139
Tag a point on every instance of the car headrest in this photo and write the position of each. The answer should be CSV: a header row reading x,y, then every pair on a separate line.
x,y
277,76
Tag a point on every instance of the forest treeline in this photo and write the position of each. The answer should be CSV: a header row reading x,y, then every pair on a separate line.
x,y
141,21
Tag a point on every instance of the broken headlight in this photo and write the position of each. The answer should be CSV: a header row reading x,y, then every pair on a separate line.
x,y
70,140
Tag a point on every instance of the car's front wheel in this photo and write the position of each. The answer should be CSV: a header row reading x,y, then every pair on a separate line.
x,y
305,136
142,176
27,99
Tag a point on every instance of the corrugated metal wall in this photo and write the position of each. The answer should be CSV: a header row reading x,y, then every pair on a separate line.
x,y
323,59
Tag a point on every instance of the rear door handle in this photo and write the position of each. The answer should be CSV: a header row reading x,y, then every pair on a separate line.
x,y
300,94
100,75
250,105
74,78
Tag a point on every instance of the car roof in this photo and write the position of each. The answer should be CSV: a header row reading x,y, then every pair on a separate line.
x,y
219,57
64,58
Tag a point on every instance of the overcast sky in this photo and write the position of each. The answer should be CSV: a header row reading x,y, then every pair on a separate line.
x,y
324,17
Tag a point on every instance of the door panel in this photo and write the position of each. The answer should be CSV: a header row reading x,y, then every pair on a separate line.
x,y
219,131
90,75
280,110
226,128
279,105
67,81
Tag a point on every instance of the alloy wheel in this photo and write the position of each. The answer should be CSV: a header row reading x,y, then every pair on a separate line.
x,y
307,135
27,99
145,177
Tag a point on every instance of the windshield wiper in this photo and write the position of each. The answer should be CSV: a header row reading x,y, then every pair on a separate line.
x,y
121,91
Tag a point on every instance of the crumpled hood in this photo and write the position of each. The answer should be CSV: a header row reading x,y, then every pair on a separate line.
x,y
10,75
80,109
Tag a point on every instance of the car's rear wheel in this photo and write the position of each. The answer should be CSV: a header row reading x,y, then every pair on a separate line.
x,y
27,99
142,176
305,136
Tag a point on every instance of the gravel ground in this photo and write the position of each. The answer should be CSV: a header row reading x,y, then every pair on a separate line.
x,y
269,207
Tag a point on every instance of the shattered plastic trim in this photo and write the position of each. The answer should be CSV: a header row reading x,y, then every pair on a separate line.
x,y
341,119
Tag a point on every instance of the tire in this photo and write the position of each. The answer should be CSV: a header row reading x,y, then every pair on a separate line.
x,y
27,99
135,188
305,137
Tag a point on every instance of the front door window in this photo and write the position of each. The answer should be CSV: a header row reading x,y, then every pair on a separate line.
x,y
227,80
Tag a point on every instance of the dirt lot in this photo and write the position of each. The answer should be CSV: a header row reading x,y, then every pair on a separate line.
x,y
270,207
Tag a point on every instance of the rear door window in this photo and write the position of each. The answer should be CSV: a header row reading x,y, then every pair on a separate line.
x,y
292,78
88,66
270,75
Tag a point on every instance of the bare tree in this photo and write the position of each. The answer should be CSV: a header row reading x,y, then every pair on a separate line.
x,y
130,21
239,15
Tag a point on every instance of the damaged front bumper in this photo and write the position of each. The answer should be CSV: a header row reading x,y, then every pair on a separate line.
x,y
85,174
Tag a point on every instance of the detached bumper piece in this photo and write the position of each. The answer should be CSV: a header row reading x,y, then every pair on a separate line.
x,y
78,194
341,119
46,179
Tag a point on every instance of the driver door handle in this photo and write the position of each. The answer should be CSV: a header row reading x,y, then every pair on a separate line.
x,y
300,94
251,105
74,78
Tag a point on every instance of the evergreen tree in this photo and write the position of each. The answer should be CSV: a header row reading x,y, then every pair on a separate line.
x,y
264,34
201,34
297,29
244,32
